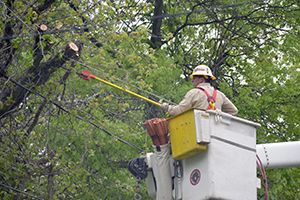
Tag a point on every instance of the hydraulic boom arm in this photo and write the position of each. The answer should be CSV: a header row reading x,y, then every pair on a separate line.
x,y
279,155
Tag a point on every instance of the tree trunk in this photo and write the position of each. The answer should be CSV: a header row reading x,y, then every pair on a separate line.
x,y
156,27
50,186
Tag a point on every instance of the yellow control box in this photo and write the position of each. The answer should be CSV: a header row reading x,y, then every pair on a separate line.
x,y
183,137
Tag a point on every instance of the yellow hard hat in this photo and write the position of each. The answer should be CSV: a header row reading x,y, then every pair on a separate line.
x,y
202,70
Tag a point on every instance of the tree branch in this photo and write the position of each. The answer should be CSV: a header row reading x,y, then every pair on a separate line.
x,y
36,76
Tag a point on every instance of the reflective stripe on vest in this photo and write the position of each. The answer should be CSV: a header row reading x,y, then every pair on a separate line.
x,y
211,99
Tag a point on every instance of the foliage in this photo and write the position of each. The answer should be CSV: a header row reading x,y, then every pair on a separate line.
x,y
56,147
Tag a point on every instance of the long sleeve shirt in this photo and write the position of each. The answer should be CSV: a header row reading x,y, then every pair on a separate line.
x,y
197,98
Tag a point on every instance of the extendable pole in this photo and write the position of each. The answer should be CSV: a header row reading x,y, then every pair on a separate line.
x,y
87,75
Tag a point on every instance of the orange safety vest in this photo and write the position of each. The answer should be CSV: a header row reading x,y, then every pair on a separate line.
x,y
211,99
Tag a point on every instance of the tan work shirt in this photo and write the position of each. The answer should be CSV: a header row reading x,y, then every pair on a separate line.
x,y
197,98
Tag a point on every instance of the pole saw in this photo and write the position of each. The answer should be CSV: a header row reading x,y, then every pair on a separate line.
x,y
87,75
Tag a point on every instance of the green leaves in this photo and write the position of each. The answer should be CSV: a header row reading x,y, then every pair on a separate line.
x,y
253,50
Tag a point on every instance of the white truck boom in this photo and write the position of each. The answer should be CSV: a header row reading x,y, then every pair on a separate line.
x,y
279,155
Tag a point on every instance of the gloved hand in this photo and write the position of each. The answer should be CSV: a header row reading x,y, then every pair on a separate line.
x,y
164,107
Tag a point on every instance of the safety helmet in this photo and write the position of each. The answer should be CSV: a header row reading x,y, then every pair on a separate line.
x,y
202,70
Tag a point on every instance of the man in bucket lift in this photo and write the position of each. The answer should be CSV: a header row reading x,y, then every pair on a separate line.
x,y
202,96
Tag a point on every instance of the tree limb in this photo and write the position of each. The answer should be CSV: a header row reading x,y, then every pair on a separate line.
x,y
36,76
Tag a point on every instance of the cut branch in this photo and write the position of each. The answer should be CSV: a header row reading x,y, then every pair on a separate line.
x,y
35,76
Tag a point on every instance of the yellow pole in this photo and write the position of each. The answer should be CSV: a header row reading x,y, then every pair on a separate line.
x,y
87,75
129,92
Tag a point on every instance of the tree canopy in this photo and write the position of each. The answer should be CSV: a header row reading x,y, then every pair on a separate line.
x,y
61,136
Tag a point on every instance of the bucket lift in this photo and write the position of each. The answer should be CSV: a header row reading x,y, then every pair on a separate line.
x,y
213,157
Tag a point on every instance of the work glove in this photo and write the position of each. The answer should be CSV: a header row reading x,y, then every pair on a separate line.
x,y
164,107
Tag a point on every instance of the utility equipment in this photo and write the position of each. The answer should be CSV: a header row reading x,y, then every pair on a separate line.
x,y
213,157
87,75
213,154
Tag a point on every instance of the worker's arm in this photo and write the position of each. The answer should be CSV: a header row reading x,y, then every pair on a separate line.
x,y
229,107
190,100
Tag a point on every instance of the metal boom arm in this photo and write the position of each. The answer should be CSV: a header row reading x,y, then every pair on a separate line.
x,y
279,155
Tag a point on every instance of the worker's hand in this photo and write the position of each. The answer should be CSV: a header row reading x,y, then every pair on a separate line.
x,y
164,107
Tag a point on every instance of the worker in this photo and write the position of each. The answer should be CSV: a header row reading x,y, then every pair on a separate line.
x,y
203,95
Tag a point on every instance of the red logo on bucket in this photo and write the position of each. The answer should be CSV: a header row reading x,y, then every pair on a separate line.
x,y
195,177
